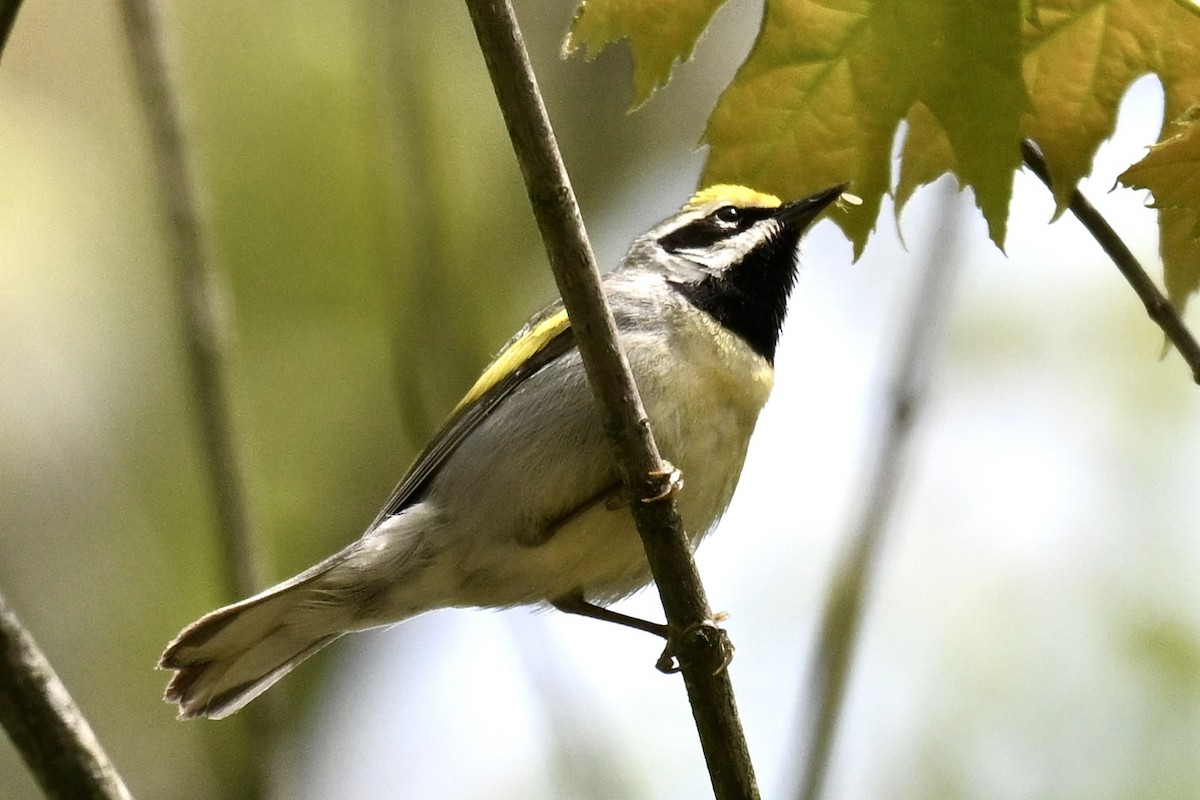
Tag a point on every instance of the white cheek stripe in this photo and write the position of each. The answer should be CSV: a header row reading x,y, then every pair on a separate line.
x,y
721,257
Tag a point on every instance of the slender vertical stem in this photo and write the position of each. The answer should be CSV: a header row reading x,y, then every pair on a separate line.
x,y
199,299
425,386
698,645
841,620
197,285
45,725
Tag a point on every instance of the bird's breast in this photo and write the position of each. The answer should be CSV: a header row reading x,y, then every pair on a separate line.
x,y
703,398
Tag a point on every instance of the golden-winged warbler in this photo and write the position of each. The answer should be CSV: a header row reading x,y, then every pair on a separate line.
x,y
518,499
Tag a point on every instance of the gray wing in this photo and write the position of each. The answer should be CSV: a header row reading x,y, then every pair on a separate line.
x,y
468,417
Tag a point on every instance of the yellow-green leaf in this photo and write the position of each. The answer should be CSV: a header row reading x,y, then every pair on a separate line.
x,y
1180,251
659,32
819,99
1082,55
925,156
1171,171
972,86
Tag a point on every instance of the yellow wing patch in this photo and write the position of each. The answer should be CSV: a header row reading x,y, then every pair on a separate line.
x,y
733,195
519,350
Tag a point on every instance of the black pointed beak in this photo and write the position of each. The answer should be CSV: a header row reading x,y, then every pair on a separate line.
x,y
801,213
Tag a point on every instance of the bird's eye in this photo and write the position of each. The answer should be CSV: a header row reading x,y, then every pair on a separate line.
x,y
731,215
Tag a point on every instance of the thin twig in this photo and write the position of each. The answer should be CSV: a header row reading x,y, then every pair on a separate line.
x,y
1158,307
834,653
698,647
8,16
44,723
198,296
424,386
200,308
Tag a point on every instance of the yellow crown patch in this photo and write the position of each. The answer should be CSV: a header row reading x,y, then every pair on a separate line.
x,y
732,195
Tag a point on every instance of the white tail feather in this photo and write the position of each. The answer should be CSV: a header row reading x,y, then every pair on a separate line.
x,y
230,656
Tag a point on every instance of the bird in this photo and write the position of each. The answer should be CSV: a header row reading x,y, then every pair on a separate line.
x,y
517,499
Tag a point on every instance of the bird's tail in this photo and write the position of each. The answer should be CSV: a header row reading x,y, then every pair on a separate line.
x,y
228,657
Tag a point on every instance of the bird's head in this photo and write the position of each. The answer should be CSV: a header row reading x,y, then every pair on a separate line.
x,y
731,251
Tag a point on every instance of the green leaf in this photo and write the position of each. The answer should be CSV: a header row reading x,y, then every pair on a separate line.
x,y
972,85
1082,55
1171,172
659,34
926,155
819,99
1180,251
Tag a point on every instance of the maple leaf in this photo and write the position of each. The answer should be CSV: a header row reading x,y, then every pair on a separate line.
x,y
820,97
659,34
1171,171
1180,251
926,154
1081,57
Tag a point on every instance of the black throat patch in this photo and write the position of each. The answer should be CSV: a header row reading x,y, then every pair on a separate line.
x,y
750,299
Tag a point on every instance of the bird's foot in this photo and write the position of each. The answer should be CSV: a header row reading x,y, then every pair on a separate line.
x,y
669,480
711,631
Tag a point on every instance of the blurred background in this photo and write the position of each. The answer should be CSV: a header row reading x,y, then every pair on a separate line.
x,y
1034,629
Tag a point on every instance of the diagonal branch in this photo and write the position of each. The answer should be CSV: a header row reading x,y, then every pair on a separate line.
x,y
697,645
1157,306
46,726
834,653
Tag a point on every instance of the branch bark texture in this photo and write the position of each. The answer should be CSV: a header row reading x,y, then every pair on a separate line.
x,y
46,726
697,645
1158,307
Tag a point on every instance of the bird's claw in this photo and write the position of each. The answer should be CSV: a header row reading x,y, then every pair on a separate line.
x,y
668,663
670,479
